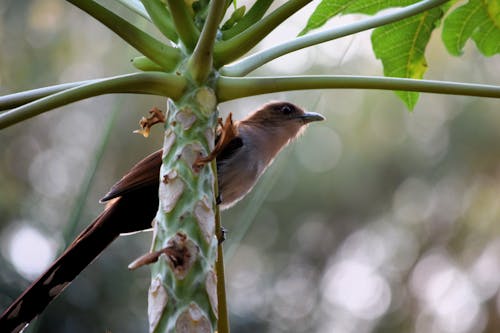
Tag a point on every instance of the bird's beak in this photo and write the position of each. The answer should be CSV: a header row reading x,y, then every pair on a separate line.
x,y
311,116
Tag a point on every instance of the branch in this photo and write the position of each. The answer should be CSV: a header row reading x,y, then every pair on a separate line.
x,y
222,310
146,65
255,13
250,63
136,7
14,100
229,50
201,61
166,56
161,18
183,22
153,83
229,88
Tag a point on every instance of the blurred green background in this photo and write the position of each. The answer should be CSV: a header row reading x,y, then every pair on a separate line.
x,y
376,220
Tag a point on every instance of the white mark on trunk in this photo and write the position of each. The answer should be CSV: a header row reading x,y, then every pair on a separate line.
x,y
186,118
157,301
192,320
171,189
168,142
206,218
211,288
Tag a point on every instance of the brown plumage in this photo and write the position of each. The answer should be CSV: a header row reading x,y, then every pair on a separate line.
x,y
133,201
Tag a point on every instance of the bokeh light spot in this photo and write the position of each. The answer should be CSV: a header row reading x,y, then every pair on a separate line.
x,y
446,294
358,288
29,251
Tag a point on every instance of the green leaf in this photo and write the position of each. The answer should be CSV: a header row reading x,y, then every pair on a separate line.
x,y
327,9
477,19
401,47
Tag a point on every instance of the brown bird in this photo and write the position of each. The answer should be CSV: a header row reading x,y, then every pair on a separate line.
x,y
241,159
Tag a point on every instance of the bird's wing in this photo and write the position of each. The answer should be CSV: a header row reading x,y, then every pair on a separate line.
x,y
146,172
143,174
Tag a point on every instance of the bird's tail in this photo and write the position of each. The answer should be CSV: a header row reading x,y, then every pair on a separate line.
x,y
134,201
84,249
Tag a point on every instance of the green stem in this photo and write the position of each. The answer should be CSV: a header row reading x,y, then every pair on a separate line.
x,y
136,7
201,61
161,18
229,88
222,310
250,63
17,99
166,56
255,13
153,83
183,293
145,64
183,22
223,322
229,50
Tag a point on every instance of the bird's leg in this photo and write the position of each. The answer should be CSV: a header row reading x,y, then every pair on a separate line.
x,y
227,133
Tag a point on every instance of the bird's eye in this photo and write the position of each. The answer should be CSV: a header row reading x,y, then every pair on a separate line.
x,y
286,109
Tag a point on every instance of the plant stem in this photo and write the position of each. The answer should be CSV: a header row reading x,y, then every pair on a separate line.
x,y
17,99
136,7
229,50
166,56
229,88
183,292
201,61
161,18
222,310
145,64
255,13
250,63
223,322
153,83
183,22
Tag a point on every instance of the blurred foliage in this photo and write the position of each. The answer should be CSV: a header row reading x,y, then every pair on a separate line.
x,y
376,220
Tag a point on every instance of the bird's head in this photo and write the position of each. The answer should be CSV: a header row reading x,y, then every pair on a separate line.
x,y
283,117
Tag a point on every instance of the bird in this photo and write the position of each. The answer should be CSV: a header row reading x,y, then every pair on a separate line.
x,y
243,151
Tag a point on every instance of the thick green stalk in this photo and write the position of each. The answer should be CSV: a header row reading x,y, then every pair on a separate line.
x,y
136,7
145,64
222,309
254,61
17,99
166,56
255,13
153,83
223,312
183,22
161,18
229,88
183,292
229,50
200,65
